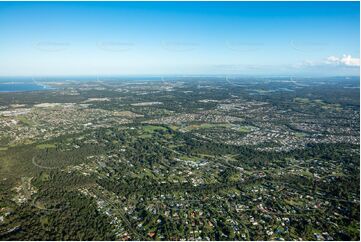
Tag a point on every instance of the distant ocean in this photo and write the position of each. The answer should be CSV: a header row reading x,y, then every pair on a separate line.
x,y
20,85
23,84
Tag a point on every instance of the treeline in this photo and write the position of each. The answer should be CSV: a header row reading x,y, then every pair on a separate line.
x,y
79,220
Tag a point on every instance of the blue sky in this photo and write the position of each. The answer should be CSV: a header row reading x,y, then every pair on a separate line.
x,y
158,38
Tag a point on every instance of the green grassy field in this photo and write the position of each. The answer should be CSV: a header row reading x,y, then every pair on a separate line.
x,y
25,120
45,146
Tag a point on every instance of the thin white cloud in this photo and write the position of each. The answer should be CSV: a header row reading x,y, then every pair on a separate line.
x,y
346,60
332,60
